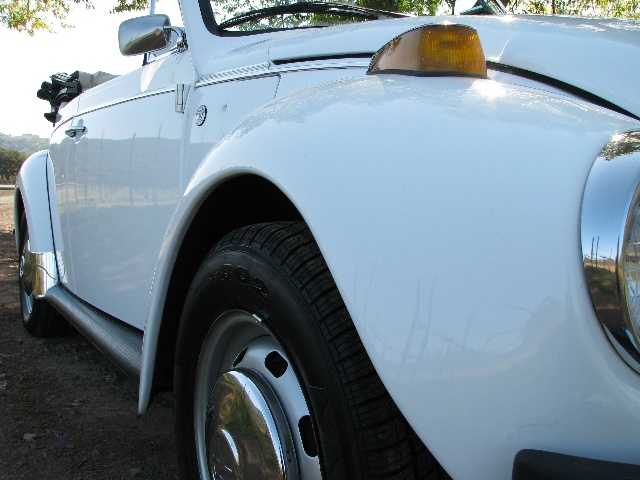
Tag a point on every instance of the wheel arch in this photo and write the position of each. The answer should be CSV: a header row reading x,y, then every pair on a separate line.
x,y
18,211
239,201
32,200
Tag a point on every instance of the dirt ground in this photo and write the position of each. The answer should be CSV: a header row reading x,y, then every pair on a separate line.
x,y
66,412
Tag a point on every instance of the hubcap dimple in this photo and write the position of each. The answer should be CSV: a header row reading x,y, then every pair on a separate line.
x,y
26,275
26,281
248,399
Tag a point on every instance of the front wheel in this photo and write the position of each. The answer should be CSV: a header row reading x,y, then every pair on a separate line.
x,y
271,378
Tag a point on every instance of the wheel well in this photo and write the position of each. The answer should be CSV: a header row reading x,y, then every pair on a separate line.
x,y
18,209
241,201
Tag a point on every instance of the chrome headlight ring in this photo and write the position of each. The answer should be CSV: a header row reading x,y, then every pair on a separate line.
x,y
610,233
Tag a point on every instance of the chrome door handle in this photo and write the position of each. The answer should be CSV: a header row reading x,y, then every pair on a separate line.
x,y
73,131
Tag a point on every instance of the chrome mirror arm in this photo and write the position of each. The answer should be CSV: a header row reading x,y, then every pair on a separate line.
x,y
181,42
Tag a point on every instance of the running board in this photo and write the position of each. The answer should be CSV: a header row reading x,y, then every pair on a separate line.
x,y
120,342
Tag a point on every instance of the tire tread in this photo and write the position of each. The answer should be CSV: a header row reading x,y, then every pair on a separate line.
x,y
389,448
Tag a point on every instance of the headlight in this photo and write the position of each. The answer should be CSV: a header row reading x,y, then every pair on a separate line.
x,y
631,267
610,229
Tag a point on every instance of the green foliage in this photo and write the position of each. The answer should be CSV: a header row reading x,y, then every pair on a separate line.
x,y
614,150
14,150
32,15
23,143
226,9
600,8
420,7
130,5
10,162
415,7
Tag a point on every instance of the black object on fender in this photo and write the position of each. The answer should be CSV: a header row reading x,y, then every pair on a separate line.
x,y
62,88
541,465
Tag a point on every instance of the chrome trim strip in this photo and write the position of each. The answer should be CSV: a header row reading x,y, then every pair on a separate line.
x,y
611,191
250,71
120,342
151,93
268,70
39,271
307,66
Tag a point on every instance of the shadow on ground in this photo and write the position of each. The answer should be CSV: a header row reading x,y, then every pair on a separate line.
x,y
67,413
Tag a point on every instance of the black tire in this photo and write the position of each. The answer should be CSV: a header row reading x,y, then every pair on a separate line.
x,y
38,317
269,283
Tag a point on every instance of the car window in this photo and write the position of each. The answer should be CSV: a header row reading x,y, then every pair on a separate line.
x,y
256,15
225,10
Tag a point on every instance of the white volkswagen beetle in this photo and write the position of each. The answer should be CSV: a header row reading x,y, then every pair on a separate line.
x,y
394,247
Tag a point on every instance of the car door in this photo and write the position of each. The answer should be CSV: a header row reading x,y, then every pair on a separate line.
x,y
123,179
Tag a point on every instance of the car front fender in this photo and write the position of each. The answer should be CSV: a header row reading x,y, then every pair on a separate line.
x,y
448,212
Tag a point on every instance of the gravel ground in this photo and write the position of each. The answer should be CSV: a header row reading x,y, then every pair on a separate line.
x,y
67,413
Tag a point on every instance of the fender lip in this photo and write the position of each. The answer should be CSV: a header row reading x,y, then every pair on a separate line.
x,y
40,272
31,187
39,256
543,465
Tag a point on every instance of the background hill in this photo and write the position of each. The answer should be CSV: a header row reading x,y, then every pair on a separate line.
x,y
26,143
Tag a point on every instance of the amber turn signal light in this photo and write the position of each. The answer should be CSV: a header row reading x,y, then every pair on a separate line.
x,y
436,50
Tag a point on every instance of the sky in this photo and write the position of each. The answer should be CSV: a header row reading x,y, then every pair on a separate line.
x,y
28,61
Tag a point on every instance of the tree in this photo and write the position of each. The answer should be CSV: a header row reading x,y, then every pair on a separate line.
x,y
25,143
600,8
32,15
10,162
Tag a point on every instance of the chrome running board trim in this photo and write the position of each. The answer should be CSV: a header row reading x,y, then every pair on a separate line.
x,y
120,342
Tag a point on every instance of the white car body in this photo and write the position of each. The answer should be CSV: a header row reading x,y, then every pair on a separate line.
x,y
447,209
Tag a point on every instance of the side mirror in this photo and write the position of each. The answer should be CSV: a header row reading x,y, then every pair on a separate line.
x,y
144,34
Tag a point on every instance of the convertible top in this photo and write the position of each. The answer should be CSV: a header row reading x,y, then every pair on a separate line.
x,y
64,87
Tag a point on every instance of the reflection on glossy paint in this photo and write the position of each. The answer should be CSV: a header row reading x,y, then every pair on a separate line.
x,y
436,342
148,73
117,192
489,89
621,145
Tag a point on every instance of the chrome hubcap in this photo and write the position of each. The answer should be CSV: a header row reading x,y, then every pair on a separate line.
x,y
25,275
242,436
251,417
26,280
